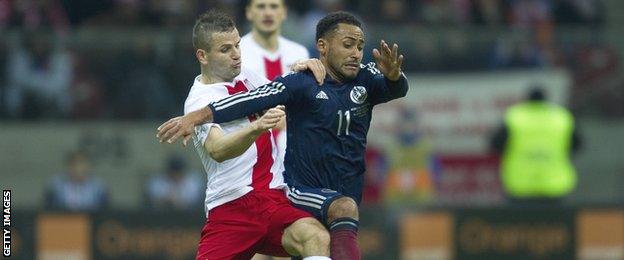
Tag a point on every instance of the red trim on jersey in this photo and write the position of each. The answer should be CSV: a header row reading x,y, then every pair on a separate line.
x,y
275,132
273,68
261,174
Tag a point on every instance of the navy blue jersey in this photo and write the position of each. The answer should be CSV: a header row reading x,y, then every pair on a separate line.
x,y
326,125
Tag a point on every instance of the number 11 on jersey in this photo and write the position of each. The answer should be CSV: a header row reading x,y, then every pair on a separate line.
x,y
347,118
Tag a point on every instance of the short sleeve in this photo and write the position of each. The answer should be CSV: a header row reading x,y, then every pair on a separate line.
x,y
201,131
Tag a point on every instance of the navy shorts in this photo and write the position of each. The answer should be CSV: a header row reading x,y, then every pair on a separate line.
x,y
316,201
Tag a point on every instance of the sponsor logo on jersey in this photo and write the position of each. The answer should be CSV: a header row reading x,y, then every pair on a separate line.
x,y
327,190
358,95
321,95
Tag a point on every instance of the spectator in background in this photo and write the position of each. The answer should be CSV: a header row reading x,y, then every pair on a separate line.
x,y
39,76
34,15
143,91
86,91
172,14
176,189
125,13
76,189
486,12
412,170
392,12
437,12
535,142
516,52
579,12
308,21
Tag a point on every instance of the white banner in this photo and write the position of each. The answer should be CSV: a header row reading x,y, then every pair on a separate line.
x,y
458,112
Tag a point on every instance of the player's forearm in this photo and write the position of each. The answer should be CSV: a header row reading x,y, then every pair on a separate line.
x,y
233,144
397,88
200,116
244,104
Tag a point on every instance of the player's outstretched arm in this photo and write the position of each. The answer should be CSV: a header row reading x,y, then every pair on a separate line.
x,y
224,110
221,146
389,61
393,84
183,126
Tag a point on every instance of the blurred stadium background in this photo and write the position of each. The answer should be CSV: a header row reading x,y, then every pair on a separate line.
x,y
106,73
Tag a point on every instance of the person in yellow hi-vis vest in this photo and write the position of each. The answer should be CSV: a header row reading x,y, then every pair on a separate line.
x,y
536,141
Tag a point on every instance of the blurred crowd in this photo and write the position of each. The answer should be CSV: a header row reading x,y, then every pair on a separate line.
x,y
61,15
132,59
77,189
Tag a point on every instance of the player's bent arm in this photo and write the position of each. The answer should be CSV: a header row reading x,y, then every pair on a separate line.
x,y
397,88
225,110
221,146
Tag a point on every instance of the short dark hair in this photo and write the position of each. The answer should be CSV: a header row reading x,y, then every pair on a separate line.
x,y
330,22
210,22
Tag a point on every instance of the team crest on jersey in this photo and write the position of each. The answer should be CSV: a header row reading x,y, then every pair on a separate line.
x,y
358,95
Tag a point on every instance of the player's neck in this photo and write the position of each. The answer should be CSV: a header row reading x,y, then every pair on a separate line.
x,y
207,79
332,74
267,41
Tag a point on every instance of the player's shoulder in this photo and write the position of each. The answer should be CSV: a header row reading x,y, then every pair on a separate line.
x,y
293,47
201,95
297,76
369,69
251,78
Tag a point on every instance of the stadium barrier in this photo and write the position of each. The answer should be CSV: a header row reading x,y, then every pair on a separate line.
x,y
485,233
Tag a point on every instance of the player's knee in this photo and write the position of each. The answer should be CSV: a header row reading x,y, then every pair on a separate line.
x,y
319,234
304,232
310,230
344,207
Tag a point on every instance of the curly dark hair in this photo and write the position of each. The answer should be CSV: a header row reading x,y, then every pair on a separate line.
x,y
330,22
208,23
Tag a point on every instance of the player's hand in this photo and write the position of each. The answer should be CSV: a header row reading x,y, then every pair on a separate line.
x,y
175,128
388,61
313,65
270,119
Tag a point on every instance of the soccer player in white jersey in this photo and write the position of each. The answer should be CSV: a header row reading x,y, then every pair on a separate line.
x,y
264,49
267,52
246,206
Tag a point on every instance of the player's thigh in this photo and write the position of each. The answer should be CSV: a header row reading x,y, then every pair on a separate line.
x,y
235,240
316,201
231,232
284,215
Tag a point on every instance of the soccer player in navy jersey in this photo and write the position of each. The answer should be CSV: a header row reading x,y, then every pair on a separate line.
x,y
327,125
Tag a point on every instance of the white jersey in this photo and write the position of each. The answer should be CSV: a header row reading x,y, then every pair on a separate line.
x,y
271,65
256,168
